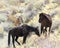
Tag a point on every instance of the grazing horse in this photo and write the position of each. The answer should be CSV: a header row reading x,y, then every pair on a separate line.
x,y
22,31
45,21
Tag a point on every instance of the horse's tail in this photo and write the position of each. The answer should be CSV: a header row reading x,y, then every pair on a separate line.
x,y
9,38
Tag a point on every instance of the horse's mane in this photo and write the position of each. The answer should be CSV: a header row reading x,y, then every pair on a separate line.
x,y
29,26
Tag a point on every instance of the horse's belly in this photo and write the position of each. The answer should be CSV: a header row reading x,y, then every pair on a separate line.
x,y
20,34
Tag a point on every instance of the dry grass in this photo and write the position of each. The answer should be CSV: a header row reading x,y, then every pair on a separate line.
x,y
33,41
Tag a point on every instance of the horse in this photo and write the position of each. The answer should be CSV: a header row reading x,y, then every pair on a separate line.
x,y
22,31
46,21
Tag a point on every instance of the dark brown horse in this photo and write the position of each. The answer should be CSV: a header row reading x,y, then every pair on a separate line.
x,y
45,21
22,31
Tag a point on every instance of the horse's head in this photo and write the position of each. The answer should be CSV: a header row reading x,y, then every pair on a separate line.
x,y
41,17
37,31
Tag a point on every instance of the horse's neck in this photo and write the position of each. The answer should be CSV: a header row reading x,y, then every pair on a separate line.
x,y
32,29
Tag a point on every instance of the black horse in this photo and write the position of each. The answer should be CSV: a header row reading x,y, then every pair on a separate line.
x,y
22,31
46,21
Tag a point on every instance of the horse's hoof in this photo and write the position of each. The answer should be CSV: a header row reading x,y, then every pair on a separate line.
x,y
19,43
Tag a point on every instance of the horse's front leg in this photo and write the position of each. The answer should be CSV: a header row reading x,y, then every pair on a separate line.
x,y
41,29
17,39
45,31
13,39
24,39
49,31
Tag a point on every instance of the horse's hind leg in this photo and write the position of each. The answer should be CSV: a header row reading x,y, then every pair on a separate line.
x,y
49,31
13,39
17,39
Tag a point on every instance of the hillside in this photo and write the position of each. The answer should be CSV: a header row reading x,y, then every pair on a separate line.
x,y
29,10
